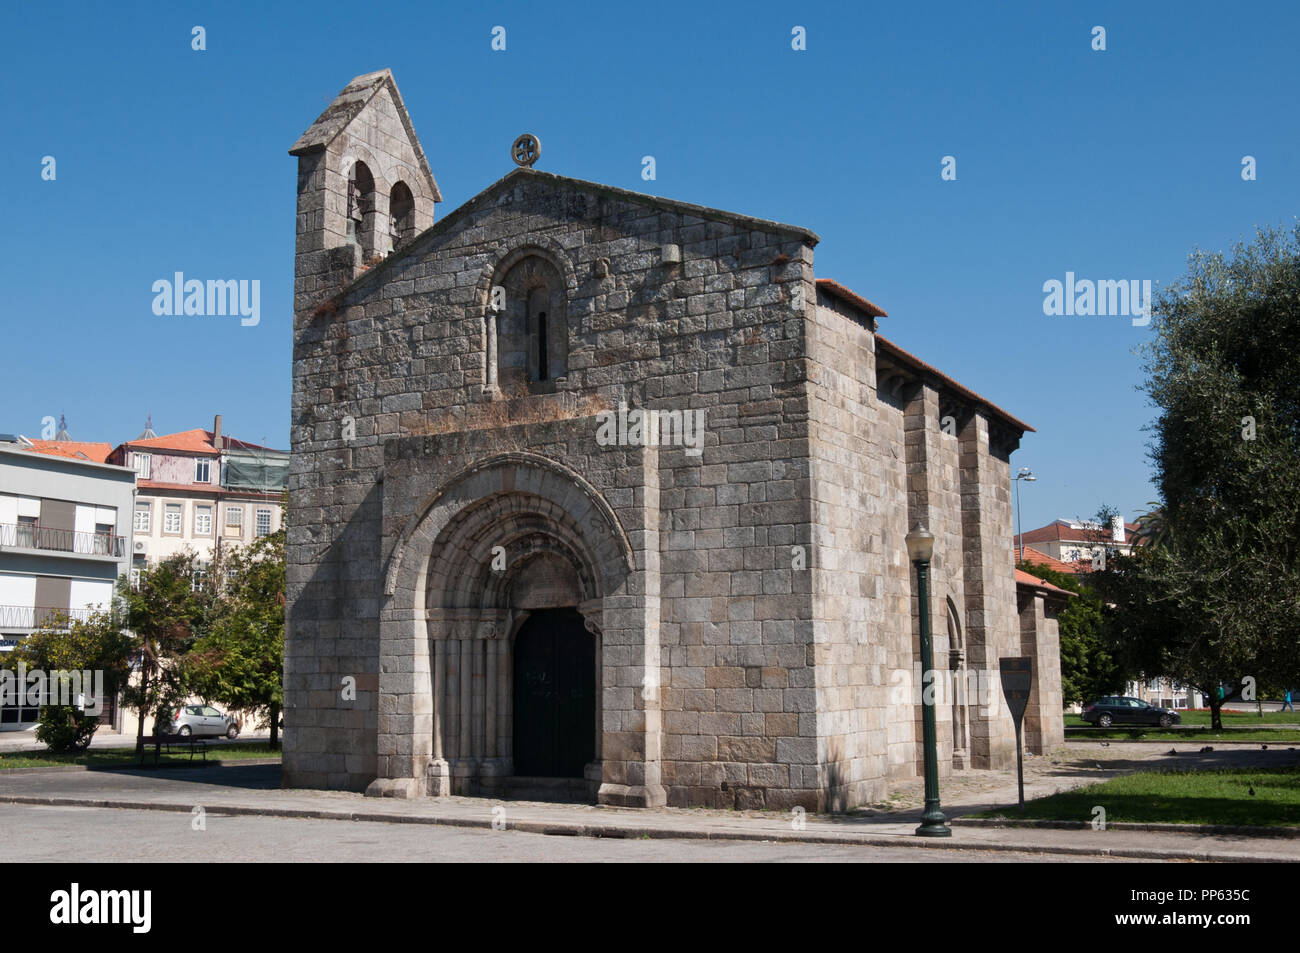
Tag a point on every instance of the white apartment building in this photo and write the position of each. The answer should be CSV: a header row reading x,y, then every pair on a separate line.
x,y
65,537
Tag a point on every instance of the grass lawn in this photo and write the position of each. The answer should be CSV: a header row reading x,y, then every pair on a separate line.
x,y
126,757
1178,797
1270,736
1198,718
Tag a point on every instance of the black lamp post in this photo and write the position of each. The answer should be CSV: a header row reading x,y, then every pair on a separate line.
x,y
920,547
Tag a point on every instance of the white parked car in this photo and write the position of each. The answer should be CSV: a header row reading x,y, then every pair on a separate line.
x,y
202,720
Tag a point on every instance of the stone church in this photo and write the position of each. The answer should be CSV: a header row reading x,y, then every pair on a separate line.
x,y
600,495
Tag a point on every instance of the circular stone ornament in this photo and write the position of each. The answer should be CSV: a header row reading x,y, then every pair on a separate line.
x,y
526,150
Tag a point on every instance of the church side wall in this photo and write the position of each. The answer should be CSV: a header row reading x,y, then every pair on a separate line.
x,y
882,462
858,512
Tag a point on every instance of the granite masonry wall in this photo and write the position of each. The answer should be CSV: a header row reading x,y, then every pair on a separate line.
x,y
751,597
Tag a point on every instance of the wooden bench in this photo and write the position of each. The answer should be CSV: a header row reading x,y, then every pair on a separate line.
x,y
158,742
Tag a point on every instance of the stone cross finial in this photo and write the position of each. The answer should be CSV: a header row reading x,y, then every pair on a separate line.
x,y
526,150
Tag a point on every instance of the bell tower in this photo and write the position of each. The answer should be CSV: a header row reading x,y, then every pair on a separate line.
x,y
364,188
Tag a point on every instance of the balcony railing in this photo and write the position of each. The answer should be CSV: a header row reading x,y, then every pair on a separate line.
x,y
32,536
33,617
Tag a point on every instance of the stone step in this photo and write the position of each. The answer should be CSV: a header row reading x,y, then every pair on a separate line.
x,y
562,790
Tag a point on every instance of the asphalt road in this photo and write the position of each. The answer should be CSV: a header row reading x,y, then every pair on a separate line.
x,y
91,835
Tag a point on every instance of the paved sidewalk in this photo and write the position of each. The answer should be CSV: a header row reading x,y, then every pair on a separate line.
x,y
254,790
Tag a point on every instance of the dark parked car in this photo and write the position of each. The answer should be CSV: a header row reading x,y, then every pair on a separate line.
x,y
1122,710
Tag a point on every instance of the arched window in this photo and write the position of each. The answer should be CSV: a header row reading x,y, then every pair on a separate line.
x,y
361,208
401,215
961,696
528,340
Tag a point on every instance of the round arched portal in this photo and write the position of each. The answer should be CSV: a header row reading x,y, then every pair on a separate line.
x,y
516,673
507,585
514,537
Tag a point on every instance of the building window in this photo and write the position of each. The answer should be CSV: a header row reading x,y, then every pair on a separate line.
x,y
202,520
104,540
234,521
26,531
143,465
263,522
527,338
202,471
172,519
143,514
197,580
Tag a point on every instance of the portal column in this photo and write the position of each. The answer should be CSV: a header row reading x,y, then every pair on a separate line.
x,y
490,706
439,771
506,726
450,734
495,763
465,768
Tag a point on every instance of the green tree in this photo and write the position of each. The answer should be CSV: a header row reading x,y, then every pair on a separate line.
x,y
165,613
239,659
96,645
1218,597
1088,667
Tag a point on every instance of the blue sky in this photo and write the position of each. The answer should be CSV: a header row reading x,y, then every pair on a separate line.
x,y
1110,164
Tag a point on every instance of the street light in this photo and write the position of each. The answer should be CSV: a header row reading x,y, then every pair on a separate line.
x,y
1024,474
920,547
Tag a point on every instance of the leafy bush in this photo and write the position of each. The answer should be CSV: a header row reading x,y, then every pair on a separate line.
x,y
65,728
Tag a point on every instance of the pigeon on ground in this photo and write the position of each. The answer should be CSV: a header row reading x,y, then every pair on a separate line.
x,y
1105,744
1264,747
1099,767
1206,750
1173,751
1252,790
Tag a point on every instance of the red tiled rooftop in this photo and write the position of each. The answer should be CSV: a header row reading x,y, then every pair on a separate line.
x,y
1062,531
1048,562
190,441
74,449
1024,578
893,350
833,287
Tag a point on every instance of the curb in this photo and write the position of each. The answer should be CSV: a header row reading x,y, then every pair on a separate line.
x,y
1281,833
630,831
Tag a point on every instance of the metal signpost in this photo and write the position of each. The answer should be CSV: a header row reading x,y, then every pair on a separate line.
x,y
1017,680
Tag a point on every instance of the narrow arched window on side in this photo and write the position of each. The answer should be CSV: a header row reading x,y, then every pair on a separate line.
x,y
401,215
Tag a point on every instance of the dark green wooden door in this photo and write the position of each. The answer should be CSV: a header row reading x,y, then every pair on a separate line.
x,y
555,696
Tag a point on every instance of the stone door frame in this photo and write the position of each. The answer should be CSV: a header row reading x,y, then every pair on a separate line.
x,y
435,732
